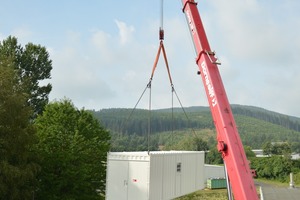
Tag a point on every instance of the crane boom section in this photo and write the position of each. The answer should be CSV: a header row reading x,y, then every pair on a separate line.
x,y
229,142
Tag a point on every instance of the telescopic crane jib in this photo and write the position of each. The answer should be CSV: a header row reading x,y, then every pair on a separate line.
x,y
229,142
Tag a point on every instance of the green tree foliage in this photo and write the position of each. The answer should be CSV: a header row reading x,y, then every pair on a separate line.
x,y
32,65
295,146
267,148
73,147
123,122
254,131
248,151
213,157
190,144
134,143
286,121
17,135
274,167
282,148
296,171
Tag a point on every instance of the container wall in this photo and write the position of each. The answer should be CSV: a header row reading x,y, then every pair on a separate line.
x,y
127,176
117,180
138,180
213,171
179,173
192,173
155,176
169,176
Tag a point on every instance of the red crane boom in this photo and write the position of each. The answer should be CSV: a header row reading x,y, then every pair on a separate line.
x,y
229,142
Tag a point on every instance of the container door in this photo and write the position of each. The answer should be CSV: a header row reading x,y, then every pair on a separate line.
x,y
117,185
138,180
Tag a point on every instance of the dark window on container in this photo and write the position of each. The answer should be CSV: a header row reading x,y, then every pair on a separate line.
x,y
178,167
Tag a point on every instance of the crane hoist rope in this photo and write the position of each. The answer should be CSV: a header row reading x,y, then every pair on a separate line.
x,y
161,50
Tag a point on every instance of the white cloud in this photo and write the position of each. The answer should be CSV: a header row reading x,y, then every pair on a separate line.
x,y
251,30
75,77
2,37
100,73
257,42
125,32
23,33
260,45
104,45
51,51
73,37
101,39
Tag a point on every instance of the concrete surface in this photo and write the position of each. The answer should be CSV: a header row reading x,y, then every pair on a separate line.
x,y
271,192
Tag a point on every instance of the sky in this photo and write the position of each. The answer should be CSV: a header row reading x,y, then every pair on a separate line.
x,y
103,52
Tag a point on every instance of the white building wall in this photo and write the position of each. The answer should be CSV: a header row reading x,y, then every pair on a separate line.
x,y
116,181
137,175
156,177
168,177
138,180
192,173
213,171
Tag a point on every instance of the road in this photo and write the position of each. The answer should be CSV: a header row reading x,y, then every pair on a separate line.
x,y
273,192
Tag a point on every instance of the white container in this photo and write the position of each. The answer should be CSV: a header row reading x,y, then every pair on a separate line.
x,y
213,171
159,175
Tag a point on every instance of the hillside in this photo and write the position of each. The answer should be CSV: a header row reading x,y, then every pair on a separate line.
x,y
286,121
256,126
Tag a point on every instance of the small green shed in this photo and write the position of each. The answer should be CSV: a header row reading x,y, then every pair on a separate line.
x,y
216,183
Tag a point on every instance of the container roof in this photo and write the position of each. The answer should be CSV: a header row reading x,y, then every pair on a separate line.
x,y
144,156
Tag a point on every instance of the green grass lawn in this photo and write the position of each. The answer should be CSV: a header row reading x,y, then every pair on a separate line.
x,y
221,194
207,194
276,183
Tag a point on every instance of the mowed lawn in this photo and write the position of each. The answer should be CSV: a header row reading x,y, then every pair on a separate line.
x,y
207,194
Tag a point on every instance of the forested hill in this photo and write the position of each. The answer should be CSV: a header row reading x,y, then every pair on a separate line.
x,y
286,121
122,117
255,125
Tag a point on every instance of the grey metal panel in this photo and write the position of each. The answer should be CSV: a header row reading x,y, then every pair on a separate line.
x,y
159,175
213,171
117,181
156,177
138,180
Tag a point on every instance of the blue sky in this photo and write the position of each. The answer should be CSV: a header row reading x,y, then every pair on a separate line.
x,y
103,51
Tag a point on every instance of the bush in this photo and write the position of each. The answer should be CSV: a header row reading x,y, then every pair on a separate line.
x,y
297,178
274,167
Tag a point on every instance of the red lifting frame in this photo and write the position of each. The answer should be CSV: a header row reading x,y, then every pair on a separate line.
x,y
229,142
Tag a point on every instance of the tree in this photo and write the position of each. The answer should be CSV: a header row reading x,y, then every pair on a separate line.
x,y
267,148
200,145
285,149
281,148
189,144
295,147
213,157
73,147
17,136
248,151
32,64
274,167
